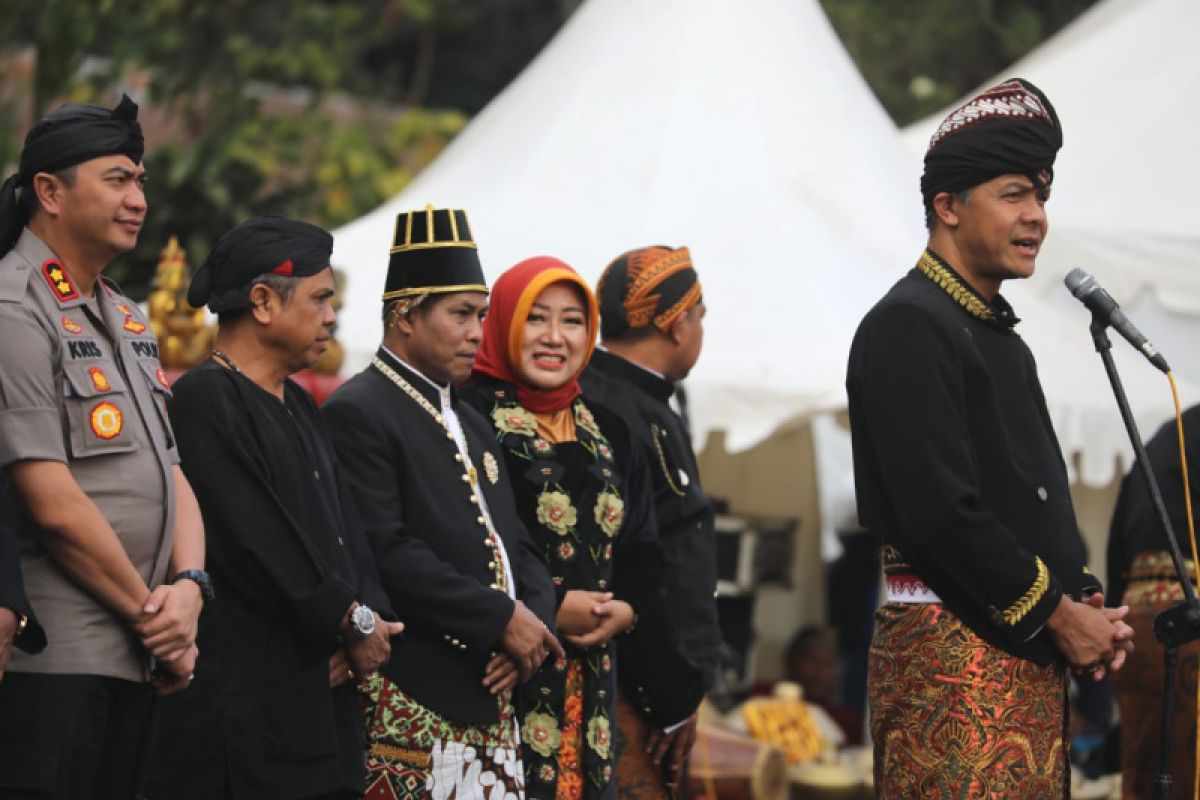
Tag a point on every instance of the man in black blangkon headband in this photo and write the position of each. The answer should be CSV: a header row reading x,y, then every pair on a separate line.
x,y
958,470
112,544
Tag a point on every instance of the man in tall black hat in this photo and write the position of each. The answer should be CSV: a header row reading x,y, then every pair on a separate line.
x,y
652,326
958,470
295,620
453,555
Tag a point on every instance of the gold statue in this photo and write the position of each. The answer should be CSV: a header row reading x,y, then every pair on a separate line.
x,y
184,336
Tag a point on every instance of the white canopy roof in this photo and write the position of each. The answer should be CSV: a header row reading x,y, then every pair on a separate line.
x,y
741,129
1125,79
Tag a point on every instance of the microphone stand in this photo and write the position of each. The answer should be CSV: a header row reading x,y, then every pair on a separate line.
x,y
1179,624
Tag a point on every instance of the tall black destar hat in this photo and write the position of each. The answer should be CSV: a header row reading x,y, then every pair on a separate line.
x,y
433,252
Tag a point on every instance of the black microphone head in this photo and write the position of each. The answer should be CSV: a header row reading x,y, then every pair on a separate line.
x,y
1081,283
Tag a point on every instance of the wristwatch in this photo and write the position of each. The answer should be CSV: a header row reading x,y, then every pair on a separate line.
x,y
200,578
362,621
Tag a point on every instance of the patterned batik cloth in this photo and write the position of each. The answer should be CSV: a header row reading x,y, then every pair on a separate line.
x,y
415,754
954,717
638,777
1138,686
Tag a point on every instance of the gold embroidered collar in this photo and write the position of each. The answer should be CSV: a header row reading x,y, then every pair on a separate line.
x,y
998,313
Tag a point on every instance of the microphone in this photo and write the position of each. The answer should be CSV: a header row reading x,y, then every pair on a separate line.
x,y
1088,291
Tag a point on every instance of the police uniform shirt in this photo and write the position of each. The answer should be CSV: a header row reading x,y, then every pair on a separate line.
x,y
83,386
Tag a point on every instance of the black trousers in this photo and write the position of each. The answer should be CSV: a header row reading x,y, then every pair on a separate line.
x,y
71,737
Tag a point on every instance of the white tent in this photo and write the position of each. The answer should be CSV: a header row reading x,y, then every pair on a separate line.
x,y
1125,79
742,129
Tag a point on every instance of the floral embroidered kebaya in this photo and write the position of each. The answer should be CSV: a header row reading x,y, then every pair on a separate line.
x,y
554,510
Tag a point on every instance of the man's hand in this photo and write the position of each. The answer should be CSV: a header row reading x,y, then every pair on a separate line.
x,y
369,654
1087,636
501,673
174,676
614,617
675,746
577,612
527,640
170,617
8,630
1122,638
339,668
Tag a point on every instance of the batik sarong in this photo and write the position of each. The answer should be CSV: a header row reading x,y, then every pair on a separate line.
x,y
1138,686
415,754
954,717
638,777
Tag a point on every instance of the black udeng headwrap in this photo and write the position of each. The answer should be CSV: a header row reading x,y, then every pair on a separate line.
x,y
68,136
1008,129
260,245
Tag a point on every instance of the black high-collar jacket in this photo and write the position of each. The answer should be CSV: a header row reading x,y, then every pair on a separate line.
x,y
429,537
956,463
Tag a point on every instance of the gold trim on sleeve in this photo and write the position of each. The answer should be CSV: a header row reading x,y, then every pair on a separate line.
x,y
1018,610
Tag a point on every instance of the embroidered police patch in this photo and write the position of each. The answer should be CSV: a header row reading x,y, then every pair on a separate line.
x,y
59,281
71,326
132,325
99,379
106,421
491,468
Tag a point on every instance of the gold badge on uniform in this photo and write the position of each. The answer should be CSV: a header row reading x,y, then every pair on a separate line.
x,y
71,326
99,379
106,421
162,378
59,281
133,325
491,468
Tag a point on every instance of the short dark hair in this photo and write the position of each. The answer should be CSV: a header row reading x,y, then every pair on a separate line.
x,y
27,202
282,285
808,639
427,303
964,197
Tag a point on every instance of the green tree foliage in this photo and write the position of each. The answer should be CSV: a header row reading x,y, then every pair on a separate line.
x,y
920,56
311,108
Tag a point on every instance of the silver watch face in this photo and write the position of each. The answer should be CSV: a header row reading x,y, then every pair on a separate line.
x,y
363,619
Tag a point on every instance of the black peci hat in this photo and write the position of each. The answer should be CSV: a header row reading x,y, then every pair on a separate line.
x,y
433,252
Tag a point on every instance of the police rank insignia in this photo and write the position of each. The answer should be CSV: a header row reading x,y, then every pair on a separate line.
x,y
132,325
59,281
71,326
491,468
106,421
99,380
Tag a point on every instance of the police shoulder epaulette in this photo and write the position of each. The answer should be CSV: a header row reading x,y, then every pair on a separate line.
x,y
14,277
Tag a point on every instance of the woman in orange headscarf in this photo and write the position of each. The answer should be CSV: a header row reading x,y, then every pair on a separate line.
x,y
584,494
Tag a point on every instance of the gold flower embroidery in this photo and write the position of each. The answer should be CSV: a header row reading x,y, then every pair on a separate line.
x,y
598,736
609,512
585,420
554,510
514,419
540,731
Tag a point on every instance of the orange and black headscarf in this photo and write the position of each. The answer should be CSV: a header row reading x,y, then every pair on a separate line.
x,y
648,286
503,330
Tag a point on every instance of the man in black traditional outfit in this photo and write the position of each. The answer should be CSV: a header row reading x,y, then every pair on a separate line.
x,y
651,321
18,625
111,541
1142,575
273,711
453,555
958,469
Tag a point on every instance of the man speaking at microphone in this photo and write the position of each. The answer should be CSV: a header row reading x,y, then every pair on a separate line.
x,y
959,470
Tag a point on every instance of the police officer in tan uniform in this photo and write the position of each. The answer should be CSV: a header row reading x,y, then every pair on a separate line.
x,y
112,546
